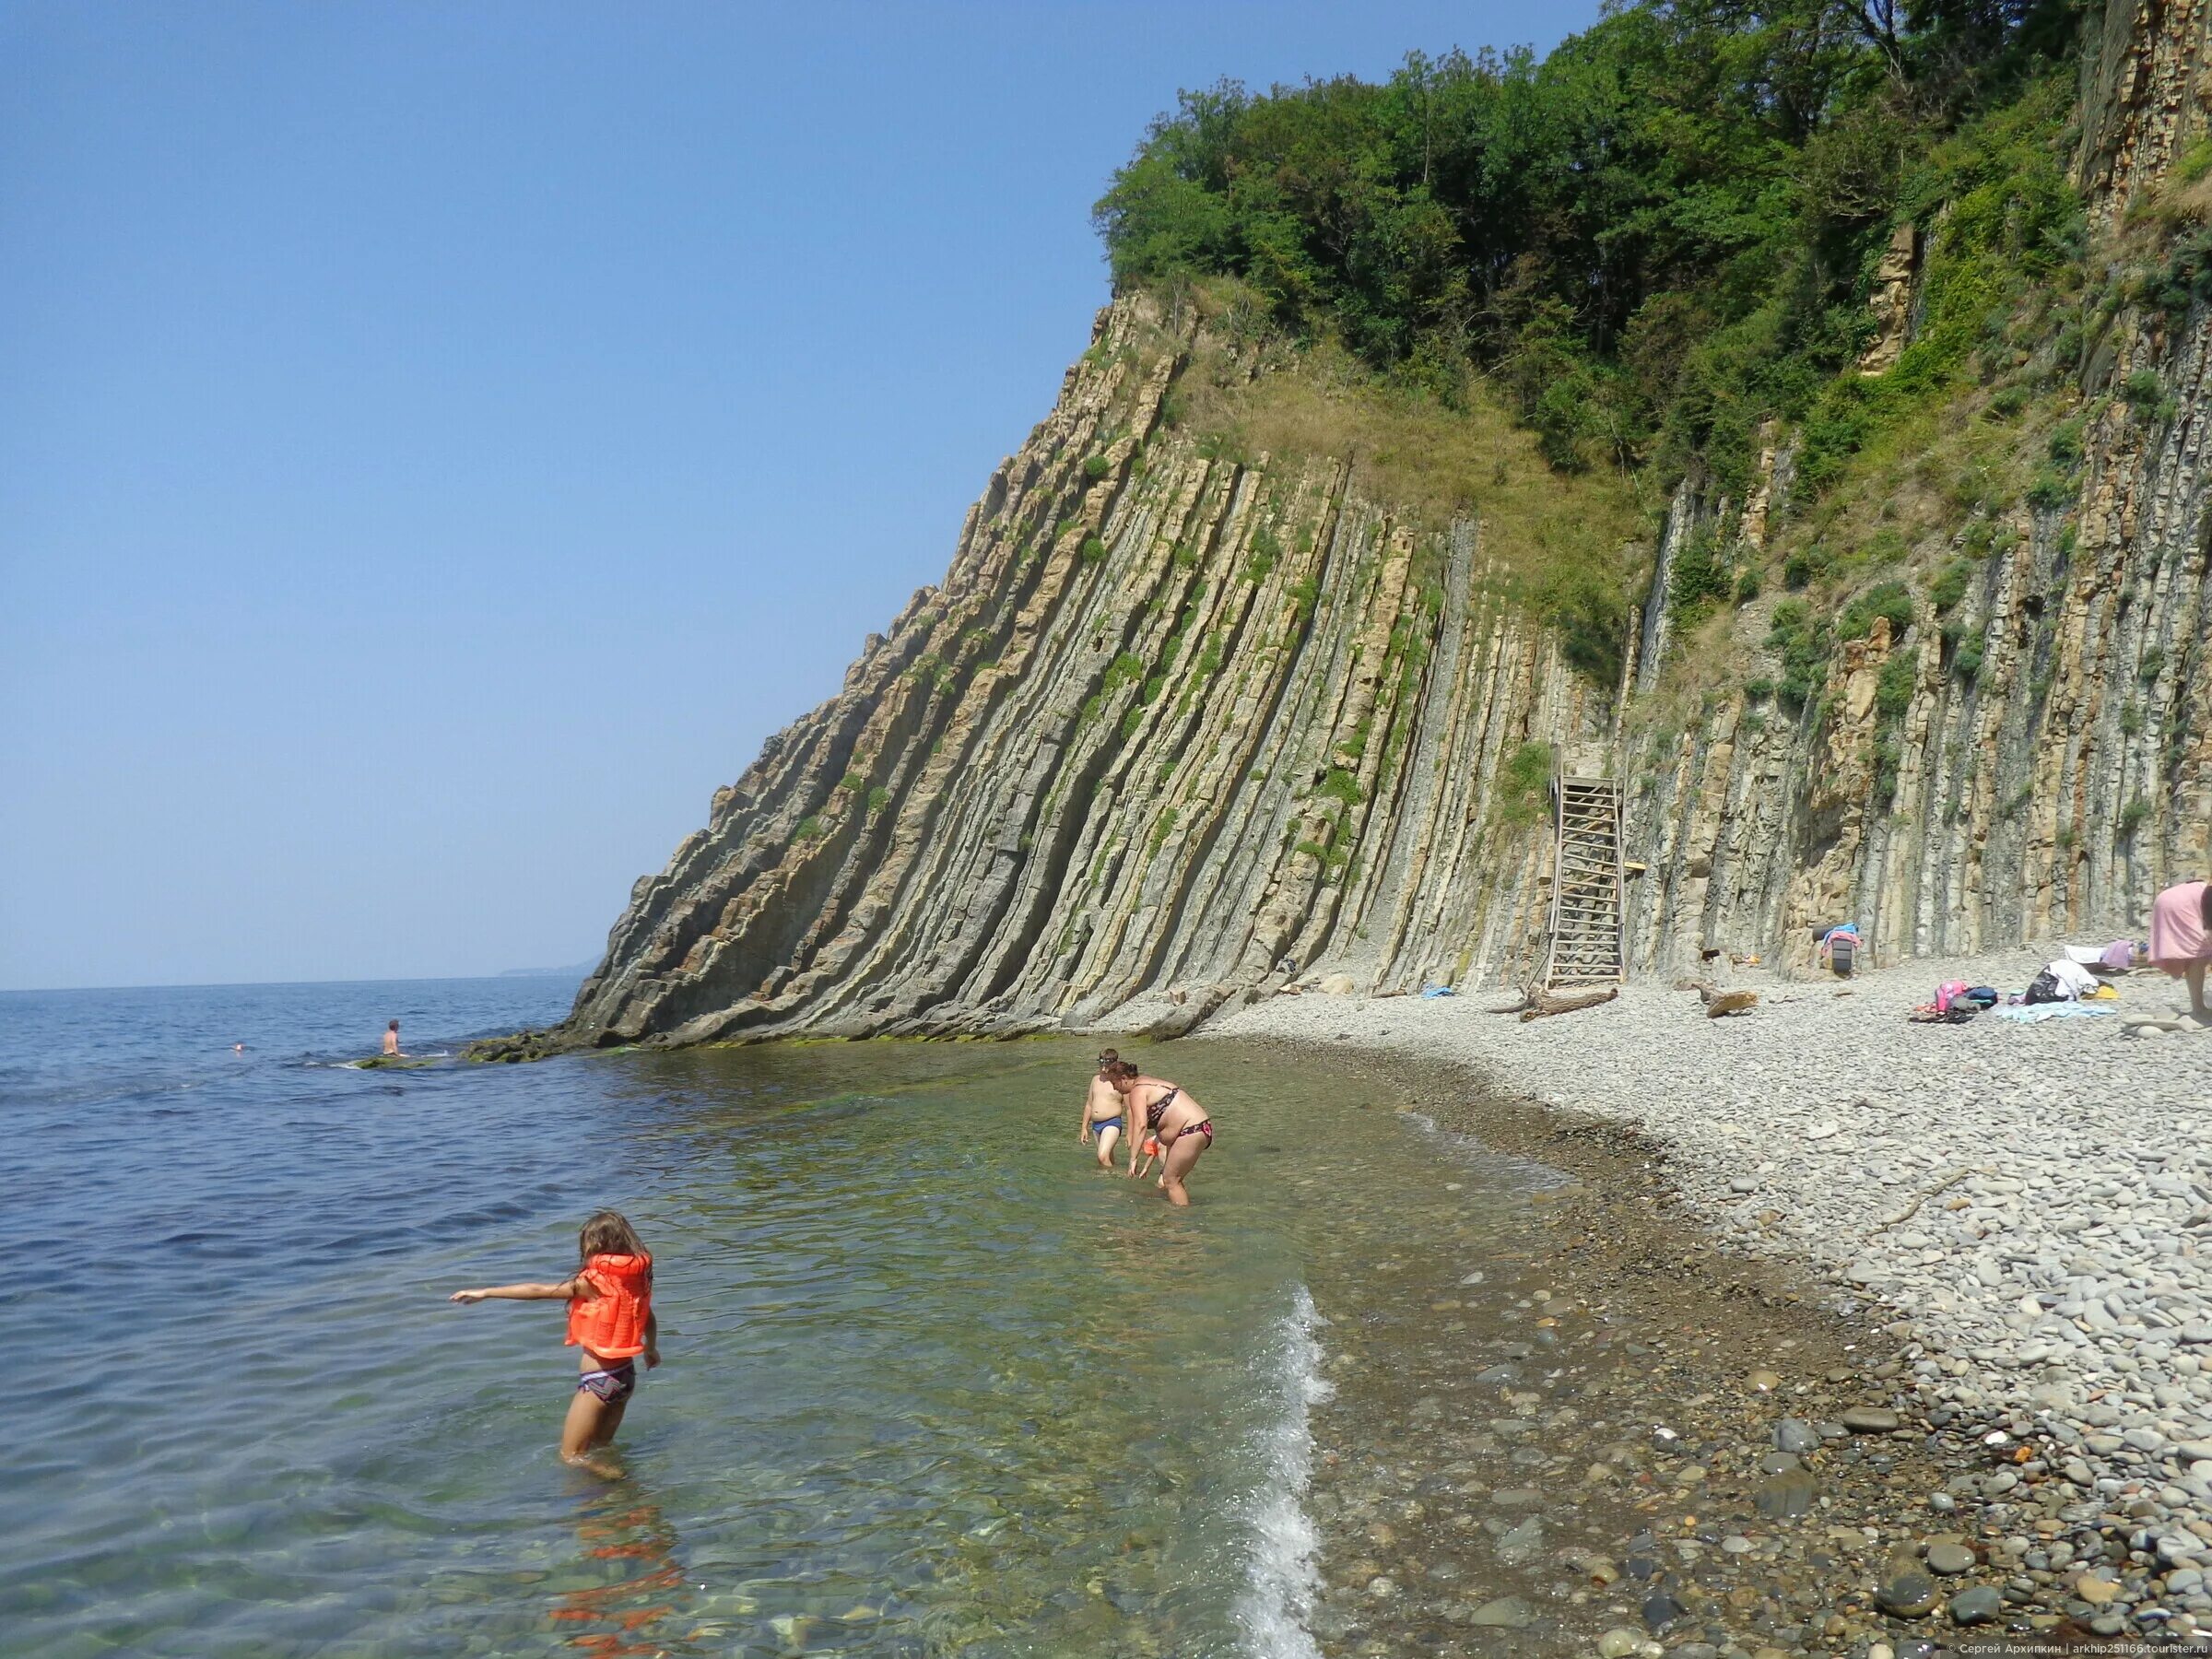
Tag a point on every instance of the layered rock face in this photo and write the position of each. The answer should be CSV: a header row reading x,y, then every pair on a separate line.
x,y
1175,725
1182,723
2058,789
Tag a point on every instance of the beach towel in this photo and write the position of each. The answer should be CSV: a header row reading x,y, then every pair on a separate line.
x,y
1839,948
2035,1013
2177,928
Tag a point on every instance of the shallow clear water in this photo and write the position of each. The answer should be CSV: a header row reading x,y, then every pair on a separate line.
x,y
932,1384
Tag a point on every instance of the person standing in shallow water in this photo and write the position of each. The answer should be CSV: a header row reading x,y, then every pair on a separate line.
x,y
392,1040
611,1318
1166,1112
1102,1110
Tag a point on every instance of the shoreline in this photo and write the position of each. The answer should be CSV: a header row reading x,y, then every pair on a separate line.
x,y
1932,1184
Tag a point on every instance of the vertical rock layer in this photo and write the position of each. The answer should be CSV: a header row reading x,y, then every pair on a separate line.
x,y
2058,789
1181,722
1175,725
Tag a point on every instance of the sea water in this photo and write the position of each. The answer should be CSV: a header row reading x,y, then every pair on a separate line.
x,y
933,1383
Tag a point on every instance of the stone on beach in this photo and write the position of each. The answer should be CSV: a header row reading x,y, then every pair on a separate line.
x,y
1998,1195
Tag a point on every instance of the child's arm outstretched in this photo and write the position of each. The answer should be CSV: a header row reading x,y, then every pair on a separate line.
x,y
567,1290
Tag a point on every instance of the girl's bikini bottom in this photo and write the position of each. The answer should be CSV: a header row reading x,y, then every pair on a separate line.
x,y
613,1385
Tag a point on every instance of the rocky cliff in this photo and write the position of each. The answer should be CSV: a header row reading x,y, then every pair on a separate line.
x,y
2031,754
1177,724
1189,717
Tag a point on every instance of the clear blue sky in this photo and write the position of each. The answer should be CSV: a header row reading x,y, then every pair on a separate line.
x,y
440,441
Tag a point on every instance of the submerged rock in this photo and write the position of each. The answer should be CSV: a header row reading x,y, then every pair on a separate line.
x,y
1792,1492
1906,1592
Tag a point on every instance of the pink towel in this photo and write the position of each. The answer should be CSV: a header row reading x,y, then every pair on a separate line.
x,y
2177,928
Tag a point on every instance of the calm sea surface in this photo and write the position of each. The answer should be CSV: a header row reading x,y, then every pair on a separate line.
x,y
932,1384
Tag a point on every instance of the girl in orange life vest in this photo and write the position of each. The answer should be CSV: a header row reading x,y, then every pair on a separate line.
x,y
611,1318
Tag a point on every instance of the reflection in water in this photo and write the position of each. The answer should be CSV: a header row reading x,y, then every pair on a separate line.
x,y
627,1614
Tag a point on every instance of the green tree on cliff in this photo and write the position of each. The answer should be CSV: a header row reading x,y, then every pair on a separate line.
x,y
1650,241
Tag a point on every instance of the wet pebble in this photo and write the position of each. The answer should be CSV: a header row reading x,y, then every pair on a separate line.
x,y
1977,1605
1791,1435
1951,1559
1871,1419
1508,1612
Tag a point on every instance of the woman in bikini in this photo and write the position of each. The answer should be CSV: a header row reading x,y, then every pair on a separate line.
x,y
1102,1110
1166,1112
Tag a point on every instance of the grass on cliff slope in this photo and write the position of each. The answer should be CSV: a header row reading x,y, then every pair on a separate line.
x,y
1560,540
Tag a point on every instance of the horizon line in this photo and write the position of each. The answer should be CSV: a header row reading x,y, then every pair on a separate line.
x,y
408,979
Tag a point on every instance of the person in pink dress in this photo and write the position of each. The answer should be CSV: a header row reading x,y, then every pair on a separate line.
x,y
2180,939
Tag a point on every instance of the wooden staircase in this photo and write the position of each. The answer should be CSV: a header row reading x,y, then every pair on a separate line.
x,y
1586,884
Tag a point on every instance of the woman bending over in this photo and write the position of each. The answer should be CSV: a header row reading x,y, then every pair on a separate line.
x,y
1166,1112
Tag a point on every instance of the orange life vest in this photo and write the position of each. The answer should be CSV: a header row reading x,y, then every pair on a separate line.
x,y
613,1325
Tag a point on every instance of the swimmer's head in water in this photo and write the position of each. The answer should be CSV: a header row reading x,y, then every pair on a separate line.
x,y
609,1232
393,1027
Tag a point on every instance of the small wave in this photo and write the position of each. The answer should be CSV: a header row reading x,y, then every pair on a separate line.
x,y
1283,1578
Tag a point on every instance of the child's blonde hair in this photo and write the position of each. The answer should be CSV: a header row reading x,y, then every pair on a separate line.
x,y
609,1232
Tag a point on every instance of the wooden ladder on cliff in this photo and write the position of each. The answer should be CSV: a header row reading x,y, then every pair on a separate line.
x,y
1586,884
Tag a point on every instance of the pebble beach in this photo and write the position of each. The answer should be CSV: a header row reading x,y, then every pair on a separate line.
x,y
2022,1214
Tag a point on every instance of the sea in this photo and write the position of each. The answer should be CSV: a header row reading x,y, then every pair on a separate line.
x,y
933,1383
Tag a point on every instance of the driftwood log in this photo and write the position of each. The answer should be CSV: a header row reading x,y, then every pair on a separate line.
x,y
1536,1002
1717,1001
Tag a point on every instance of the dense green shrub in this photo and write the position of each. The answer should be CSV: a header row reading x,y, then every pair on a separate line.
x,y
1523,783
1966,661
1892,599
1948,586
1801,639
2066,442
1700,580
1651,240
1893,688
2143,390
1805,567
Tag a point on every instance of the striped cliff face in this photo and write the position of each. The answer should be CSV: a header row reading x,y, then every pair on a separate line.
x,y
1175,723
2054,777
1184,721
